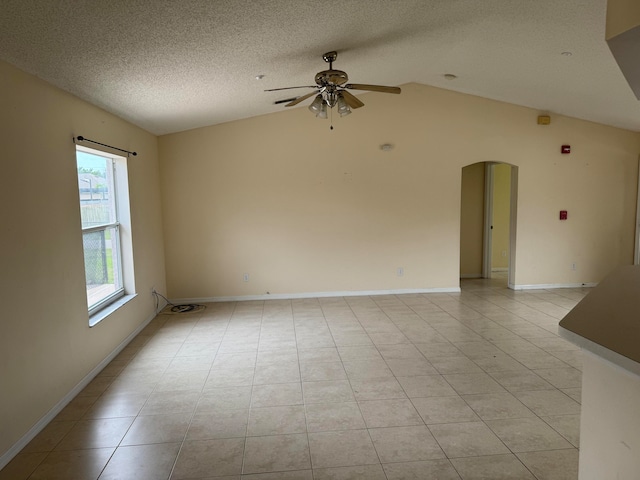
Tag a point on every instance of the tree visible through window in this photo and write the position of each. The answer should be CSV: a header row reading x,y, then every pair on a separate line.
x,y
100,227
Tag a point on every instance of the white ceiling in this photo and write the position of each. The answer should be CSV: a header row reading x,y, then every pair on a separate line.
x,y
169,65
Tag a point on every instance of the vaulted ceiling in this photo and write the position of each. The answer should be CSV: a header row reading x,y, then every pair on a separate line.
x,y
169,65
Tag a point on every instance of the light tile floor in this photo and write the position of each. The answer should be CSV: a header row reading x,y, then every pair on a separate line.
x,y
476,385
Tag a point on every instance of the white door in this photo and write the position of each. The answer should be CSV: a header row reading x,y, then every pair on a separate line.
x,y
488,220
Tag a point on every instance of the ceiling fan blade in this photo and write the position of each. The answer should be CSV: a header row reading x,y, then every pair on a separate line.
x,y
289,88
300,99
373,88
351,99
285,100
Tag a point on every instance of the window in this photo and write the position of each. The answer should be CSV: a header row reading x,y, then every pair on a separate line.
x,y
100,205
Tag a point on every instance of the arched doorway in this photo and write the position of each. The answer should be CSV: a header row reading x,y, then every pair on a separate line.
x,y
488,221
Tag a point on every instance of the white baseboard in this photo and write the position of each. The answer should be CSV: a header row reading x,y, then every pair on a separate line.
x,y
293,296
470,275
549,286
504,269
7,456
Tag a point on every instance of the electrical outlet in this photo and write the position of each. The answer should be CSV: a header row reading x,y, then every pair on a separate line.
x,y
400,271
504,253
153,289
245,277
573,266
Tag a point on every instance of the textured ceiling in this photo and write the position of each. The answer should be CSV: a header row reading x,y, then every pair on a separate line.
x,y
169,65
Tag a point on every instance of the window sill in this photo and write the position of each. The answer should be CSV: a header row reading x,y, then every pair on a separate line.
x,y
110,309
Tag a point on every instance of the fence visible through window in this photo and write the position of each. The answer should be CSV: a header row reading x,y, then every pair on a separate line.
x,y
95,258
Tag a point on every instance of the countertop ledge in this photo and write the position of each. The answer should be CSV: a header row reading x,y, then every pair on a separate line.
x,y
607,321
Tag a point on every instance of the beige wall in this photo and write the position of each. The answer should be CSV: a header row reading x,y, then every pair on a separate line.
x,y
622,15
501,212
301,208
472,221
46,346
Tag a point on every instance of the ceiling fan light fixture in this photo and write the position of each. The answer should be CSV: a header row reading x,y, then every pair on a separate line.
x,y
343,108
323,111
331,99
318,106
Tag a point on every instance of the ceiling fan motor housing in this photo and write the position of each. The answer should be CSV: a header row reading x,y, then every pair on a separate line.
x,y
327,78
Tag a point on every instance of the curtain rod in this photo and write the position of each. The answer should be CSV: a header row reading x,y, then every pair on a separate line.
x,y
80,138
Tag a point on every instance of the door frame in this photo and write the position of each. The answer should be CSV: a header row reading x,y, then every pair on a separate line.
x,y
513,224
636,252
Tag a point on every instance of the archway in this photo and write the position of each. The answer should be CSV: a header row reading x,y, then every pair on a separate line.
x,y
488,220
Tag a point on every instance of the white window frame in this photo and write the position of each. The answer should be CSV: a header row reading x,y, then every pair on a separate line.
x,y
119,225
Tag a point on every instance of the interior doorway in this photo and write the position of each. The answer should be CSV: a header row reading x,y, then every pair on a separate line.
x,y
488,221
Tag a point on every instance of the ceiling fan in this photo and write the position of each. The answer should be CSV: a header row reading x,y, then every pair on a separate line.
x,y
331,90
